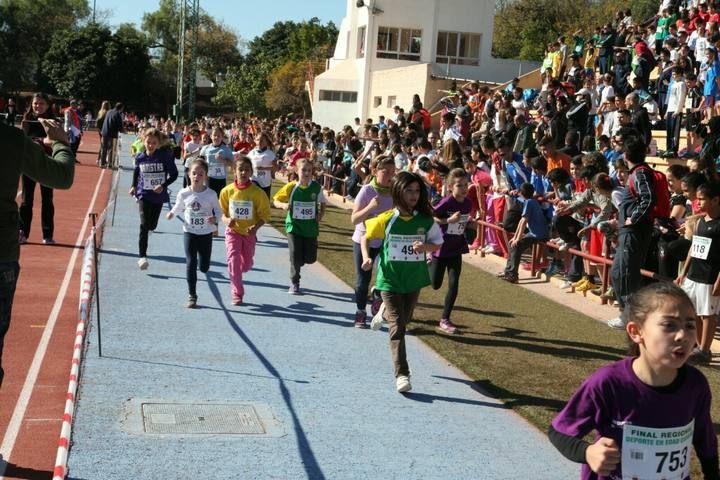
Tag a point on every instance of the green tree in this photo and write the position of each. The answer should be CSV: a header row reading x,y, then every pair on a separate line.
x,y
27,28
286,92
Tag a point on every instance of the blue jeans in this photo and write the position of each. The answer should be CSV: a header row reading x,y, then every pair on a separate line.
x,y
9,272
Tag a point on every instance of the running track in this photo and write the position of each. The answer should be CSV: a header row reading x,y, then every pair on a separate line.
x,y
44,320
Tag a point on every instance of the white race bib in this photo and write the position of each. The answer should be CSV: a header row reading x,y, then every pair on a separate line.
x,y
262,173
152,180
195,220
700,247
402,250
303,210
217,171
458,228
656,453
241,209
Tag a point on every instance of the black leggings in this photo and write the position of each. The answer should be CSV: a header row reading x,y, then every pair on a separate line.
x,y
149,216
47,213
197,245
362,278
217,184
437,273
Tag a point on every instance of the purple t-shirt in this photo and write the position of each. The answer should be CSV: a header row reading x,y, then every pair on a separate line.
x,y
453,234
367,193
614,396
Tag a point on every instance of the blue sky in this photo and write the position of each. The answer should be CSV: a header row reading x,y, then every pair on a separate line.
x,y
250,21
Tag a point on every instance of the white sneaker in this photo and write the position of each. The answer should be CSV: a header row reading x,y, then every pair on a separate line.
x,y
616,323
378,319
143,263
566,284
402,382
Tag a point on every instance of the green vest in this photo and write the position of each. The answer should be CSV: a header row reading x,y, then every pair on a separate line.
x,y
303,208
400,268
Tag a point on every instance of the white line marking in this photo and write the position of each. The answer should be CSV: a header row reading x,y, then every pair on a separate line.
x,y
18,415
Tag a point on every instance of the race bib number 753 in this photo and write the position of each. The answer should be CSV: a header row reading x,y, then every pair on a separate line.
x,y
656,453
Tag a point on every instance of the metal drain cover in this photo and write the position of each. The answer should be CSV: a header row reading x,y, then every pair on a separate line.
x,y
197,418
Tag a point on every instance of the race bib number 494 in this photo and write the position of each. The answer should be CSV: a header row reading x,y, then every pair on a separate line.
x,y
241,209
656,453
402,249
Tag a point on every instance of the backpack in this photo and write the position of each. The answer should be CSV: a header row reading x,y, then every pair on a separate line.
x,y
661,208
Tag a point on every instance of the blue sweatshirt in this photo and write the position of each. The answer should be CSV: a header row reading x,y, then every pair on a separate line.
x,y
151,170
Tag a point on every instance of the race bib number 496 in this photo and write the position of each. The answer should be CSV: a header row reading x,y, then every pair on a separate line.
x,y
656,453
241,209
402,249
303,210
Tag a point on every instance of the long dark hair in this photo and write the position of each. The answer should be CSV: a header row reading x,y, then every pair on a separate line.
x,y
29,126
403,180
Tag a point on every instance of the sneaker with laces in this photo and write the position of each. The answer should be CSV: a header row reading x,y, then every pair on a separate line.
x,y
376,302
509,277
566,284
294,289
378,319
192,301
616,323
236,301
447,326
402,383
360,319
143,263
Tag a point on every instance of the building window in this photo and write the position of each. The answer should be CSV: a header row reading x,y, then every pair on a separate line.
x,y
361,42
392,101
377,101
458,48
399,43
338,96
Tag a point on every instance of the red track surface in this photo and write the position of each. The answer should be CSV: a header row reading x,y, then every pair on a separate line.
x,y
42,271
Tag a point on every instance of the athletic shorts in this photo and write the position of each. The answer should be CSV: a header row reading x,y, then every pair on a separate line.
x,y
702,297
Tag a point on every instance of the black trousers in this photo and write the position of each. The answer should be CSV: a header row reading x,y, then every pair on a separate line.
x,y
362,278
567,228
453,265
515,254
217,184
196,246
47,212
303,251
633,244
149,216
9,272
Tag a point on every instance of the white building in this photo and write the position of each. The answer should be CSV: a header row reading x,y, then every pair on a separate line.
x,y
389,50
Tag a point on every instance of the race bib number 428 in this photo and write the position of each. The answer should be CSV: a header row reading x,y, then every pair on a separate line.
x,y
241,209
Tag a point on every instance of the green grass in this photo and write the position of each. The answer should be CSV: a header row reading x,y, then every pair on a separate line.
x,y
517,346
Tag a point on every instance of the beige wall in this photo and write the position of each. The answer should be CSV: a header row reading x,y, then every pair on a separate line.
x,y
402,83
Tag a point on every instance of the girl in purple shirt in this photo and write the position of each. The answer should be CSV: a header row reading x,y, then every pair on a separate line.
x,y
648,410
453,214
373,199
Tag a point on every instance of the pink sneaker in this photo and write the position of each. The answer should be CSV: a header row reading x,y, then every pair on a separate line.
x,y
447,326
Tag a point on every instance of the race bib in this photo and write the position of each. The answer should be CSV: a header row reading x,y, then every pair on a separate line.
x,y
152,180
656,453
195,220
217,171
303,211
402,250
261,173
700,247
458,228
241,209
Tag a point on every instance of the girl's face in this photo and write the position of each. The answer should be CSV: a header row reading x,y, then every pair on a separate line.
x,y
705,203
260,141
460,188
667,336
574,171
673,183
217,137
305,171
385,175
198,175
411,195
39,106
622,175
470,168
243,172
151,144
687,191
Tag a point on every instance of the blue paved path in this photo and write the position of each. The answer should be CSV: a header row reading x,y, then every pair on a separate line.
x,y
327,388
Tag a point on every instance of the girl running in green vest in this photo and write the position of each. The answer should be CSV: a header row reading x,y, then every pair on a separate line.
x,y
304,202
408,232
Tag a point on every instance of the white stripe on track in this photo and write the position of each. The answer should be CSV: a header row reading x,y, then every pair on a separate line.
x,y
18,415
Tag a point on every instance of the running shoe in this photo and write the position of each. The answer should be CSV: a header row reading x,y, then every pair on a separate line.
x,y
566,284
360,319
22,238
597,291
376,301
447,326
509,277
609,293
476,245
580,283
192,301
378,319
236,301
402,383
294,289
49,241
616,323
589,285
143,263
